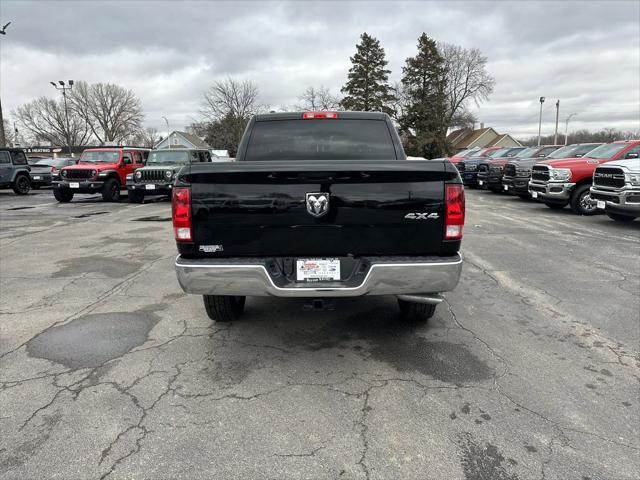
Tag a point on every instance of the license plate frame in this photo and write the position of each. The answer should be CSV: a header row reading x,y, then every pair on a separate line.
x,y
506,188
601,204
150,186
314,270
534,194
37,177
481,182
74,185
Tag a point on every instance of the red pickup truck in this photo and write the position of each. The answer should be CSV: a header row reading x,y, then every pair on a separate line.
x,y
100,170
567,181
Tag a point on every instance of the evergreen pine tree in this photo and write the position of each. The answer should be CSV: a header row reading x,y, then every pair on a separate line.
x,y
425,84
367,88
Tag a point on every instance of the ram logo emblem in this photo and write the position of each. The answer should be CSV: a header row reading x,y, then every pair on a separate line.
x,y
422,216
317,203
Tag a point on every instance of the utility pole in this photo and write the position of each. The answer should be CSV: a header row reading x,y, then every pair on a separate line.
x,y
3,140
540,121
63,88
555,136
566,126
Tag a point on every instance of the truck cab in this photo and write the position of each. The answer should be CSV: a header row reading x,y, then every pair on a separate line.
x,y
101,170
469,168
517,172
558,183
490,172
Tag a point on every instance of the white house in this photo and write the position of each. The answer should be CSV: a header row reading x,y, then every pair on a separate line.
x,y
177,139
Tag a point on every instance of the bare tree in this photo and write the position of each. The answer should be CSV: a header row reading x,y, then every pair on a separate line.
x,y
9,134
45,119
318,99
464,119
467,78
146,137
111,111
231,97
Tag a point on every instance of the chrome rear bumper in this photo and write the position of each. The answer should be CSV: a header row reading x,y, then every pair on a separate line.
x,y
240,276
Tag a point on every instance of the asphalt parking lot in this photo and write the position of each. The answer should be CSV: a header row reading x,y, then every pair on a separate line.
x,y
529,370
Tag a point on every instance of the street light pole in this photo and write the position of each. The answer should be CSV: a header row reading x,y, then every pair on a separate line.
x,y
566,126
63,88
555,135
3,139
540,121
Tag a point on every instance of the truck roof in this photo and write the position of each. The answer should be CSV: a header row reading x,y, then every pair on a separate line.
x,y
298,116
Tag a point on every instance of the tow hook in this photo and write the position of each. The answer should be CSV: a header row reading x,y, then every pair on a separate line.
x,y
319,305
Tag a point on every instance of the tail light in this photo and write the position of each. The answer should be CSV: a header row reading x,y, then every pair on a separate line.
x,y
181,211
453,211
309,115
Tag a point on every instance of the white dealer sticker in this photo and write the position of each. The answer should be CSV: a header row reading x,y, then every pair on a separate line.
x,y
317,269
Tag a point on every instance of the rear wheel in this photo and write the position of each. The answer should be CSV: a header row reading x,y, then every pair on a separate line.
x,y
555,206
581,201
111,190
135,197
224,308
416,312
21,184
63,195
620,218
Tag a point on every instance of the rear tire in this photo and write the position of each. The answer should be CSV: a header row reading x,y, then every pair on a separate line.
x,y
224,308
63,195
416,312
620,218
111,190
580,201
21,184
135,197
555,206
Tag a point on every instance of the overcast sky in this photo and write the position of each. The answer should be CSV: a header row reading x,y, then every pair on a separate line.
x,y
585,53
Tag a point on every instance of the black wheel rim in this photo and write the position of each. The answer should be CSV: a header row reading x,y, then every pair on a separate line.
x,y
23,185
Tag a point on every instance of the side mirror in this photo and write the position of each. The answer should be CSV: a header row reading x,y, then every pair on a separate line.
x,y
631,155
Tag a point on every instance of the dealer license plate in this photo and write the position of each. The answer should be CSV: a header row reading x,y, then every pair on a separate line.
x,y
600,204
480,182
534,194
150,186
506,187
74,185
37,177
317,269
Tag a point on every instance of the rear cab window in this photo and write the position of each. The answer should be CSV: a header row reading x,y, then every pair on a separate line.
x,y
320,139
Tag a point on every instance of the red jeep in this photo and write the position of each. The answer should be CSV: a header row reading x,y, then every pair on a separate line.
x,y
102,170
567,181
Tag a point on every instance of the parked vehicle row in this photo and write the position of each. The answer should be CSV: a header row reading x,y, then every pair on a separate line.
x,y
560,176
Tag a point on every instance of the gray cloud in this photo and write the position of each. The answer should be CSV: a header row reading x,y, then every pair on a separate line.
x,y
585,53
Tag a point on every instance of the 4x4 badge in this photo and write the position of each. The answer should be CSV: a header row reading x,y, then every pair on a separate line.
x,y
317,203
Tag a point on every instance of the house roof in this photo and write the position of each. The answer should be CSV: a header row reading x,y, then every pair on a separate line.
x,y
500,140
472,137
192,139
457,135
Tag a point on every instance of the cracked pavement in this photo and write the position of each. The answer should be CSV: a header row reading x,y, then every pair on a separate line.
x,y
529,370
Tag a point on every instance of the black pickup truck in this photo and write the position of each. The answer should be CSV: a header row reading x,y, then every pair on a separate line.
x,y
319,205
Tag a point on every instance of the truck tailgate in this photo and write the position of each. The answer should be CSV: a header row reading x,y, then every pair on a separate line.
x,y
374,208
